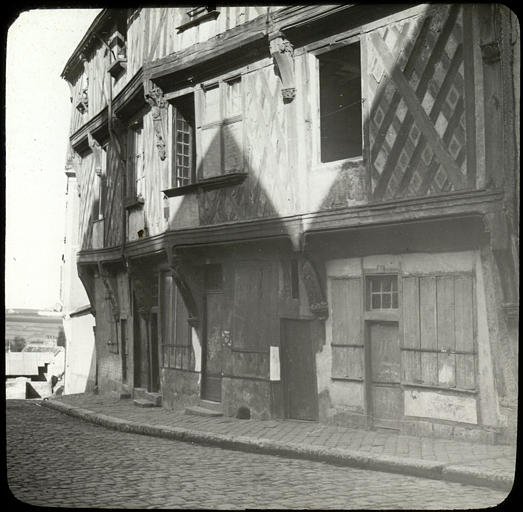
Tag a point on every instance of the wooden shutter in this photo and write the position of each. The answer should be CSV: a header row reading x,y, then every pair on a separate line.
x,y
347,341
438,331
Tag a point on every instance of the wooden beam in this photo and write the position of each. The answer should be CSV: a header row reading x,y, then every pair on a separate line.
x,y
446,206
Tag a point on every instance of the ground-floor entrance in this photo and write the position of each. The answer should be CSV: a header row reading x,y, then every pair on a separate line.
x,y
383,385
214,314
298,370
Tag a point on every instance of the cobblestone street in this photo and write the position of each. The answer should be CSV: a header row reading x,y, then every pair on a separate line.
x,y
56,460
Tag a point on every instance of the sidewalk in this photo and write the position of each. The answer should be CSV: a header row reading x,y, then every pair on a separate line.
x,y
457,461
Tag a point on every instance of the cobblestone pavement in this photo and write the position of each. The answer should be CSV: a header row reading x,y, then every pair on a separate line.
x,y
56,460
446,451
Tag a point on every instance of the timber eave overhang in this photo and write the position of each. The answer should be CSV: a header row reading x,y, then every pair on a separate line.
x,y
475,203
102,20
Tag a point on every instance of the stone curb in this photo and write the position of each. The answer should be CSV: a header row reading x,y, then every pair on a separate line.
x,y
407,466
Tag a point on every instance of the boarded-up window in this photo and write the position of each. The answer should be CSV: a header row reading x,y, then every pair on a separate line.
x,y
221,133
255,320
176,343
347,336
438,331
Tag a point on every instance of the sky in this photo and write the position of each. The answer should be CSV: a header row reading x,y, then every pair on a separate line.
x,y
38,110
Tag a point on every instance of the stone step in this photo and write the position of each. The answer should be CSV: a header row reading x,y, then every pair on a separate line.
x,y
196,410
156,398
139,392
213,406
142,402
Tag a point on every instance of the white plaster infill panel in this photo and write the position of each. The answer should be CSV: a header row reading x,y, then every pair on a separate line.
x,y
348,267
431,404
445,262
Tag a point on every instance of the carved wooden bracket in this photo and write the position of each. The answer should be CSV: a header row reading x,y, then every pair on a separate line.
x,y
87,278
283,54
317,302
497,224
175,262
109,290
154,96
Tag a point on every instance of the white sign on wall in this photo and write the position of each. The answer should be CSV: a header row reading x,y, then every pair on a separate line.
x,y
274,366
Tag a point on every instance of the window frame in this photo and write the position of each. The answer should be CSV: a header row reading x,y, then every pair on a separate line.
x,y
311,54
133,197
102,180
173,172
223,122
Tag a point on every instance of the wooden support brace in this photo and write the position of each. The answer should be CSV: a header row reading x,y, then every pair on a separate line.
x,y
175,263
109,290
87,279
497,225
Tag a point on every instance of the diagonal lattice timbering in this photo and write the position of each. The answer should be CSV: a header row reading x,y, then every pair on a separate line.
x,y
423,77
445,100
412,138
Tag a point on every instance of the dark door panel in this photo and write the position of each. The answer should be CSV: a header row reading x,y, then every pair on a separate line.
x,y
299,370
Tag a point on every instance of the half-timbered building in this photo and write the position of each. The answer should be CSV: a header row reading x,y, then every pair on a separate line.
x,y
311,212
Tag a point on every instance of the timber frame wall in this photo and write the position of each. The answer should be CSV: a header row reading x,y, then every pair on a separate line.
x,y
440,108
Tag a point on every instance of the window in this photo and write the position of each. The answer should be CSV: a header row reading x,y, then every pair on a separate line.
x,y
195,15
209,155
382,292
118,53
340,103
183,148
135,162
101,172
221,131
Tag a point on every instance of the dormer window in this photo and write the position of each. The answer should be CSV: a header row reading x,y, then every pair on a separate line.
x,y
118,47
195,15
82,101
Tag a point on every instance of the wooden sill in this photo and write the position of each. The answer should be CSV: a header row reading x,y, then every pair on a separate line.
x,y
133,202
117,67
438,388
209,15
224,180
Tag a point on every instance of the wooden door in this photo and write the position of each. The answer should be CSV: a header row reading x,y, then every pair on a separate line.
x,y
137,350
298,370
213,357
386,403
154,363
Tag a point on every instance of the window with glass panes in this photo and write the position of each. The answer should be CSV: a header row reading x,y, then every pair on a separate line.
x,y
135,183
183,141
382,292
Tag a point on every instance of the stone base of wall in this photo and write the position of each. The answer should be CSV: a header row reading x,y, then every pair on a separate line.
x,y
180,388
461,432
253,394
424,428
